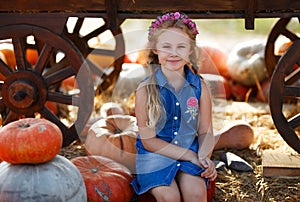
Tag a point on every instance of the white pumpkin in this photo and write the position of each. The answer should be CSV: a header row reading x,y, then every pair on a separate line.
x,y
58,180
246,63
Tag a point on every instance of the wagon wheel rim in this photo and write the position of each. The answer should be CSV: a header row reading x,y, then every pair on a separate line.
x,y
26,88
280,28
282,86
117,53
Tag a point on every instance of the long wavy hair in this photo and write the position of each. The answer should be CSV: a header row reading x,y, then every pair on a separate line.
x,y
153,106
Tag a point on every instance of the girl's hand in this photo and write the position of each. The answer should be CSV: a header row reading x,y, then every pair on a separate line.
x,y
210,170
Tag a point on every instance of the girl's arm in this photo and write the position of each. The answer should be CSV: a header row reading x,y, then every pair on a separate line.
x,y
205,127
205,134
148,135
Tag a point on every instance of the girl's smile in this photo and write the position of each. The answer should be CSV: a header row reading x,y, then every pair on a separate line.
x,y
173,49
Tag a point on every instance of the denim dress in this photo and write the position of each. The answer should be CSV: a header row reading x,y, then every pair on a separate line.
x,y
178,126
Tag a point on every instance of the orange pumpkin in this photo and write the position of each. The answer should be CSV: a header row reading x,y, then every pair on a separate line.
x,y
105,179
284,46
52,106
213,61
114,137
10,57
235,135
69,83
111,108
32,56
29,140
219,85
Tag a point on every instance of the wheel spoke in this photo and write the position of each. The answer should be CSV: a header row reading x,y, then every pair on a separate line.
x,y
104,52
63,99
59,75
43,59
292,91
96,32
294,122
4,69
45,112
2,105
11,116
57,66
287,33
292,77
19,45
78,25
95,69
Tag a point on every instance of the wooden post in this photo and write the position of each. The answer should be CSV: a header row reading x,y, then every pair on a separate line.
x,y
249,14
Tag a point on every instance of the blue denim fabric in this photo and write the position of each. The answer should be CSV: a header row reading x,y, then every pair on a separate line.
x,y
178,125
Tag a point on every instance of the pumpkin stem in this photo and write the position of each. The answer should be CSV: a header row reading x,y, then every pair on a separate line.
x,y
24,125
118,130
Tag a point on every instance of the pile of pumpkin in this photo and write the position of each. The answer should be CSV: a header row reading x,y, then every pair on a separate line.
x,y
32,170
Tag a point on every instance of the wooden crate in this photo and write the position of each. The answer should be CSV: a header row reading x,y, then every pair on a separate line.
x,y
280,164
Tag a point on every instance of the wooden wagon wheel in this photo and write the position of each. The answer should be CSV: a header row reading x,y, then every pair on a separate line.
x,y
283,84
280,29
116,53
26,88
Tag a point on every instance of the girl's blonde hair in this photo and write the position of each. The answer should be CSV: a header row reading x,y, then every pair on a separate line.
x,y
153,107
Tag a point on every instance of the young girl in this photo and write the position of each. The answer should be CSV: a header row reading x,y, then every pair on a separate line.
x,y
174,114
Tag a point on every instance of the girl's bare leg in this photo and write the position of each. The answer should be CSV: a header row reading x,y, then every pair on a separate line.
x,y
166,193
193,188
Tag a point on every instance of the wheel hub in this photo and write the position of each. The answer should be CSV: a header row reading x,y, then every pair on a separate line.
x,y
21,94
24,92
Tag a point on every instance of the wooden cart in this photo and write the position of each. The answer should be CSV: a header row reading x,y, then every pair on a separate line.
x,y
25,90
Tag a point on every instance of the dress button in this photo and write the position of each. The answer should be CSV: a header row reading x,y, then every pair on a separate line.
x,y
175,117
175,133
175,142
178,164
177,103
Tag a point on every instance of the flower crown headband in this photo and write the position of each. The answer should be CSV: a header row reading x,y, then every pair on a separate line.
x,y
177,16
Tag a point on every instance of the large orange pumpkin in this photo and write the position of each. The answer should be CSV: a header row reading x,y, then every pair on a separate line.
x,y
213,61
105,179
114,137
235,135
29,140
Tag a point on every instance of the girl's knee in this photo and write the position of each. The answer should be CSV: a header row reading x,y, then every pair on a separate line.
x,y
166,195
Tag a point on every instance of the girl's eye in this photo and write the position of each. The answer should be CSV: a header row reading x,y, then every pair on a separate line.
x,y
181,46
166,46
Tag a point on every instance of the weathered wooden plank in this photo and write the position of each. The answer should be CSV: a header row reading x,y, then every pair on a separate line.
x,y
146,5
280,164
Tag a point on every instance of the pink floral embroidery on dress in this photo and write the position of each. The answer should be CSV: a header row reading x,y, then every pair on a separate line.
x,y
192,108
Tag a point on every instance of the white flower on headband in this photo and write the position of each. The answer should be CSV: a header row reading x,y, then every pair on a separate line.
x,y
177,16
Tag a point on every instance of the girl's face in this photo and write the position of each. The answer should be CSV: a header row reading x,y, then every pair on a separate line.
x,y
173,49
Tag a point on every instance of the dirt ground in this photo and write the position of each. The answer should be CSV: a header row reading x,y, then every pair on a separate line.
x,y
253,186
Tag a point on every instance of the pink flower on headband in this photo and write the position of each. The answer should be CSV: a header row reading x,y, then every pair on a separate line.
x,y
177,16
165,17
